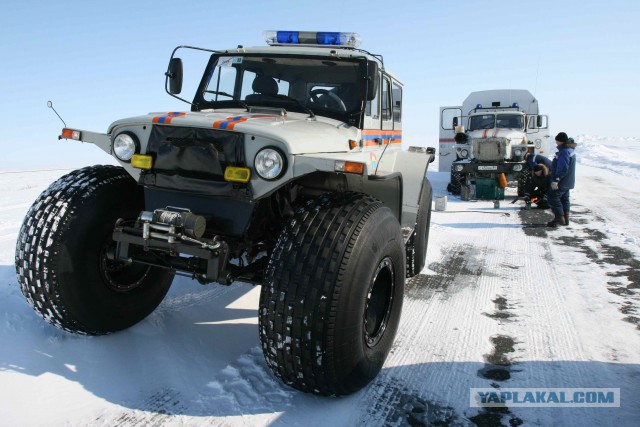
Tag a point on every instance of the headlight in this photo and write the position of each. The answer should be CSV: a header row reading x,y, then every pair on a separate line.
x,y
459,168
269,163
517,152
517,168
464,152
125,146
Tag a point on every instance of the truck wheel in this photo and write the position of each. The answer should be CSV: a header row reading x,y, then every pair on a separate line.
x,y
523,181
458,179
332,295
416,248
61,260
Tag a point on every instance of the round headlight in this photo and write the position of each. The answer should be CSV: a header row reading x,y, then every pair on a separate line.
x,y
517,168
124,146
459,168
464,152
269,163
517,152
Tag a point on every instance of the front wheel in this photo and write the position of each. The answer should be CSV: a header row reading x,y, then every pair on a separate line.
x,y
332,295
524,180
61,255
458,179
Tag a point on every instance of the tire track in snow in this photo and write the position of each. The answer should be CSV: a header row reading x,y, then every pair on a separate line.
x,y
245,388
424,369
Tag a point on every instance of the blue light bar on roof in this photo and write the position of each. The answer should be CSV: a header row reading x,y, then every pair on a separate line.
x,y
312,38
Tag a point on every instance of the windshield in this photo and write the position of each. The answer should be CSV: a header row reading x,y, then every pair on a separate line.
x,y
484,121
326,86
510,121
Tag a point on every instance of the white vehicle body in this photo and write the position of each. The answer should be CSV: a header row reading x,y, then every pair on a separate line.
x,y
532,135
286,172
310,144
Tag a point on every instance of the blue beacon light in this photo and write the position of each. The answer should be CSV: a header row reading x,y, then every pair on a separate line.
x,y
312,38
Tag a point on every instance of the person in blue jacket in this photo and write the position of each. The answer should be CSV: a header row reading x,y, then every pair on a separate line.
x,y
563,179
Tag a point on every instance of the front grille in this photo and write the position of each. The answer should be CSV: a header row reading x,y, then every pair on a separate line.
x,y
194,152
489,149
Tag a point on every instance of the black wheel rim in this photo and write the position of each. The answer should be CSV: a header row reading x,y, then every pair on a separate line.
x,y
379,302
120,276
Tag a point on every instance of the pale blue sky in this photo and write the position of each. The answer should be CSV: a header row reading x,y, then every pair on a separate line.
x,y
102,61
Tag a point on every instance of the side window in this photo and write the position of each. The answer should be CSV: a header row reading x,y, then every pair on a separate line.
x,y
397,103
283,87
447,116
386,100
247,83
221,84
373,107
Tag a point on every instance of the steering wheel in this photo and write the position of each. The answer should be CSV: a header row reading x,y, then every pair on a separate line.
x,y
327,99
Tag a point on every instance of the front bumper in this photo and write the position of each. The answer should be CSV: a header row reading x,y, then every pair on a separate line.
x,y
511,168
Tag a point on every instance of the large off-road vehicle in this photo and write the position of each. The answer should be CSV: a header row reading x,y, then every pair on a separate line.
x,y
287,172
491,134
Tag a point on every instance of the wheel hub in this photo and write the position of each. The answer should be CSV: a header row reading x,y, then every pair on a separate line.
x,y
120,276
379,302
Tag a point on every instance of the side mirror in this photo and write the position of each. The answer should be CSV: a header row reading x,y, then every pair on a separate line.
x,y
174,76
455,122
431,151
372,81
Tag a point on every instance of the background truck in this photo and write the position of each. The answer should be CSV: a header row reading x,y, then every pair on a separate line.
x,y
286,171
491,134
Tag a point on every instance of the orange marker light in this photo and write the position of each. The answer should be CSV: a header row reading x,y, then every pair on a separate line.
x,y
352,144
70,134
349,167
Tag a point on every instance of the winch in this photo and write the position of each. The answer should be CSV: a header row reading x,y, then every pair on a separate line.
x,y
171,222
157,236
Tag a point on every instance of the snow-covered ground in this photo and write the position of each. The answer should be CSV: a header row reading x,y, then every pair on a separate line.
x,y
500,304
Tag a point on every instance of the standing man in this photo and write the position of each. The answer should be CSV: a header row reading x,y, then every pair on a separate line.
x,y
563,179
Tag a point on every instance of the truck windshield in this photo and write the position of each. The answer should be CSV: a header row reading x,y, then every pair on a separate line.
x,y
326,86
484,121
510,121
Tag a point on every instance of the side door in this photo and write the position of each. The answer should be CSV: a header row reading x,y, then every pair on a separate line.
x,y
538,133
446,151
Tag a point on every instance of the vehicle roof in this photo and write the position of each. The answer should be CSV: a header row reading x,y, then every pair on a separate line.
x,y
332,51
506,110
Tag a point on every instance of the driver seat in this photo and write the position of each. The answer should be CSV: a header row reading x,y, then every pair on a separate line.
x,y
263,86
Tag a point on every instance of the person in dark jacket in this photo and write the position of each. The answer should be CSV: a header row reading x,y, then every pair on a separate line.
x,y
538,187
536,159
563,180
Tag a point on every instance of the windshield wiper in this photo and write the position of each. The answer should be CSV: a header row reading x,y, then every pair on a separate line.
x,y
217,92
300,104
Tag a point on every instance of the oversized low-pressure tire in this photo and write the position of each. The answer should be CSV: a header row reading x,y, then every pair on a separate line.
x,y
332,295
416,248
523,181
61,260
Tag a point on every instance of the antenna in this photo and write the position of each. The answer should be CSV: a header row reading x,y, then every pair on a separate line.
x,y
380,159
535,90
50,105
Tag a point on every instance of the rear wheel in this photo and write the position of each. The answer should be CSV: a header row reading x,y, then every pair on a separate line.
x,y
61,255
417,245
331,300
